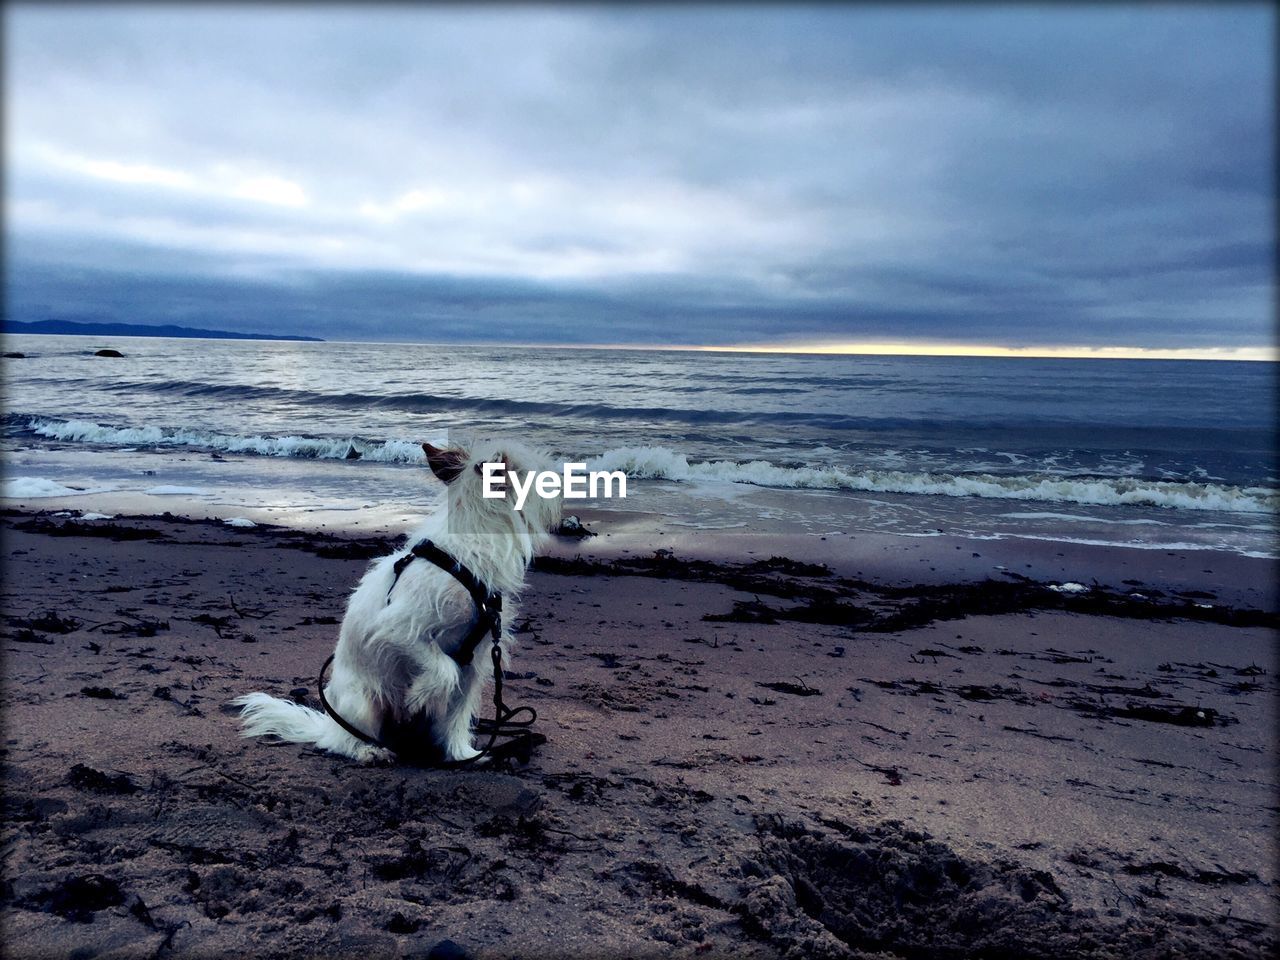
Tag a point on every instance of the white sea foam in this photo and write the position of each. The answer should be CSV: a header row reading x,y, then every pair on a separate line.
x,y
1077,517
663,463
239,522
31,488
1166,546
174,491
705,525
316,448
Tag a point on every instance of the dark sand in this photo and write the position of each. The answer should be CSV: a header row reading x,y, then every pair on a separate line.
x,y
896,758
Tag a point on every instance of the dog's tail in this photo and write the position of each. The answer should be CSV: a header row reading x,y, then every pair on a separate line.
x,y
262,715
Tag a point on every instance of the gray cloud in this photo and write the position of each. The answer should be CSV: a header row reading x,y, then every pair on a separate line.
x,y
1014,175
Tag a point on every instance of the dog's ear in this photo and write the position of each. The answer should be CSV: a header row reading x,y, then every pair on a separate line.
x,y
445,464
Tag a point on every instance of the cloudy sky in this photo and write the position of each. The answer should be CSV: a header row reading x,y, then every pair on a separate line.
x,y
1018,176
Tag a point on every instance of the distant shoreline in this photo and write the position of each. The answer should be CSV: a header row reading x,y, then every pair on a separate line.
x,y
70,328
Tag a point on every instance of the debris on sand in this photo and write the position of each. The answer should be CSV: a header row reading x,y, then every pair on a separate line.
x,y
109,531
573,528
744,611
800,689
48,622
1180,715
102,693
87,778
843,601
78,898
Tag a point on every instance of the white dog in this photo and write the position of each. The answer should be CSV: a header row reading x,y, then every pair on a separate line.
x,y
392,669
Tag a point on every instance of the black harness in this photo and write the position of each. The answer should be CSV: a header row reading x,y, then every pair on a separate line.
x,y
412,741
488,602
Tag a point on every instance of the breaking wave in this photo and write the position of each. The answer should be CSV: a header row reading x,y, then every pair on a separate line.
x,y
663,463
666,464
312,448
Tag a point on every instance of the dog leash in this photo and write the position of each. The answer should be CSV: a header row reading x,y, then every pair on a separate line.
x,y
489,620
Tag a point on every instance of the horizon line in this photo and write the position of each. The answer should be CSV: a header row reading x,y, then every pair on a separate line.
x,y
1245,354
857,348
1251,354
1230,354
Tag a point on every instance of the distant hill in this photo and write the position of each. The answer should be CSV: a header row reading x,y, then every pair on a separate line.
x,y
71,328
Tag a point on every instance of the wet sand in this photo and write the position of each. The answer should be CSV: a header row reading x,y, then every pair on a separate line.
x,y
906,752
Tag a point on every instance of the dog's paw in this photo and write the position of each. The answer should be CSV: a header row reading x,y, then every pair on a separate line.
x,y
375,756
460,754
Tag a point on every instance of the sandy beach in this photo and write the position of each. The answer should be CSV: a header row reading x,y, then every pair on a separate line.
x,y
756,748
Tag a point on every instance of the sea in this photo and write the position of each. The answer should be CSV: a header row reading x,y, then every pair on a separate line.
x,y
1142,453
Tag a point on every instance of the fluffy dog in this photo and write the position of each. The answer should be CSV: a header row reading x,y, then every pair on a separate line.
x,y
392,671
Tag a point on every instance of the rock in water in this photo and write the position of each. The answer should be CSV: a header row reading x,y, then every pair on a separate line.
x,y
108,353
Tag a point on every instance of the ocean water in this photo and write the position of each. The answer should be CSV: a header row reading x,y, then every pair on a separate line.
x,y
1157,454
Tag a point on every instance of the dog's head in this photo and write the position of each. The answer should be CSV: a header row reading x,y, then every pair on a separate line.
x,y
462,471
